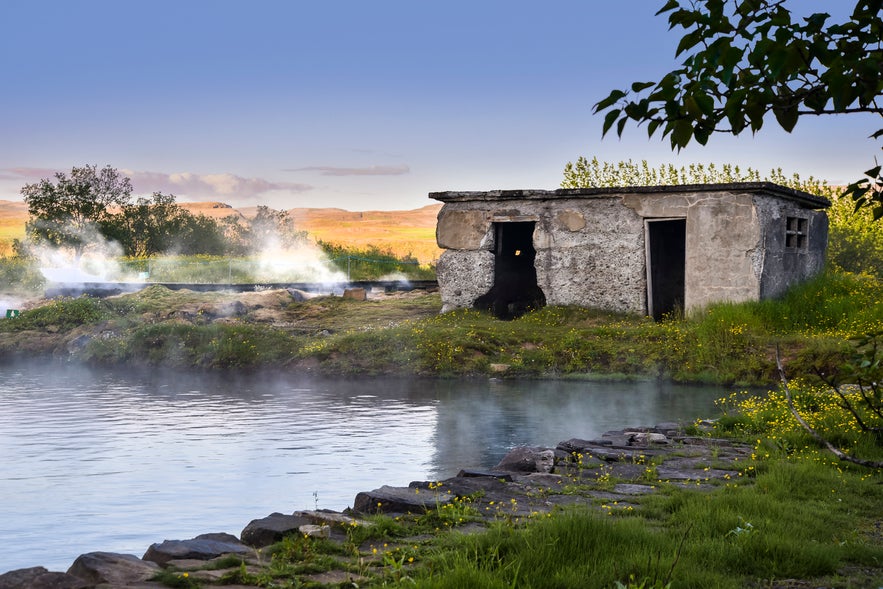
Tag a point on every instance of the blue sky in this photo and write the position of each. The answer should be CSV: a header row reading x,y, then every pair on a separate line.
x,y
357,105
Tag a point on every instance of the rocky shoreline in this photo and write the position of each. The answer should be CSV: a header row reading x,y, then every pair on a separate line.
x,y
607,474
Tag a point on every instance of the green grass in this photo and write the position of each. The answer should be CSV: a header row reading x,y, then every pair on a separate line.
x,y
794,512
371,263
787,518
186,345
18,275
61,314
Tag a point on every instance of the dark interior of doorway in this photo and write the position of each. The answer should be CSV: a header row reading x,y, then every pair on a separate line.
x,y
667,259
515,290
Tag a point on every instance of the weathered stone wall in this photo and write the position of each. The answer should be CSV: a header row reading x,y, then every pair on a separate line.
x,y
463,276
590,245
589,252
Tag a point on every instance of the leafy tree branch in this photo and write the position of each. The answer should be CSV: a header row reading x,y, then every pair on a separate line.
x,y
746,59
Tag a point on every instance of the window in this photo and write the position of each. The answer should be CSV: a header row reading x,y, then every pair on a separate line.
x,y
795,233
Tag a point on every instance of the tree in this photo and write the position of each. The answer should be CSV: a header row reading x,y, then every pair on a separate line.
x,y
67,212
748,58
149,226
201,235
269,228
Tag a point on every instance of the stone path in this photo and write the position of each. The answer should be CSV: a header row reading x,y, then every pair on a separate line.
x,y
607,474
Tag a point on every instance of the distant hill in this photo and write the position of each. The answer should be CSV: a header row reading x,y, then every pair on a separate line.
x,y
402,232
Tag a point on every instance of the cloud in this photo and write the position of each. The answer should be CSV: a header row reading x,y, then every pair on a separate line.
x,y
27,174
180,183
369,171
208,185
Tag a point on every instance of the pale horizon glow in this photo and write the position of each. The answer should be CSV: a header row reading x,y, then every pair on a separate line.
x,y
351,105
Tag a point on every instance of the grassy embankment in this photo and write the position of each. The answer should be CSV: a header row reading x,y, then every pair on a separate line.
x,y
404,335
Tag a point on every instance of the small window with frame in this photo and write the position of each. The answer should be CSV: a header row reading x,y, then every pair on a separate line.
x,y
795,233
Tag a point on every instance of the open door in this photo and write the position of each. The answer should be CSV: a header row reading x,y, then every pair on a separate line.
x,y
515,290
666,260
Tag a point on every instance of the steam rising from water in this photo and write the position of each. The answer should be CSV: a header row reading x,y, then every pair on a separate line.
x,y
303,262
273,260
97,264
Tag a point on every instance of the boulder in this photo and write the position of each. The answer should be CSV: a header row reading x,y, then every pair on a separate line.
x,y
271,529
116,569
526,459
203,547
399,500
41,578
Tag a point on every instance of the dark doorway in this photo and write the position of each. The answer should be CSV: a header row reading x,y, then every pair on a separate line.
x,y
515,289
666,255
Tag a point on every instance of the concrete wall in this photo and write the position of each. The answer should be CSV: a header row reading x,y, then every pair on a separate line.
x,y
591,251
722,242
784,266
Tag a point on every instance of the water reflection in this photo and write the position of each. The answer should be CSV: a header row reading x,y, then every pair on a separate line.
x,y
110,460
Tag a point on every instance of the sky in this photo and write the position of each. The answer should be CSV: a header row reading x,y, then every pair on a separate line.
x,y
351,104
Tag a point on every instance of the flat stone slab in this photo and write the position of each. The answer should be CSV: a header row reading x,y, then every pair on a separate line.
x,y
492,474
203,547
116,569
462,486
632,489
388,499
608,452
331,518
666,473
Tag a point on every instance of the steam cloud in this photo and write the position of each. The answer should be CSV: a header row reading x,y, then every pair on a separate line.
x,y
97,264
301,262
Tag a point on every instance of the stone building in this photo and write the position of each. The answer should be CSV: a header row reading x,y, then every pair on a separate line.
x,y
648,250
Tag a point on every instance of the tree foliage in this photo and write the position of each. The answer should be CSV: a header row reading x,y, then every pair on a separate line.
x,y
598,174
68,211
146,227
268,229
595,174
745,59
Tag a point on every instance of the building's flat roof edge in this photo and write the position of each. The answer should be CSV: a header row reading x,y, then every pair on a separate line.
x,y
803,198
